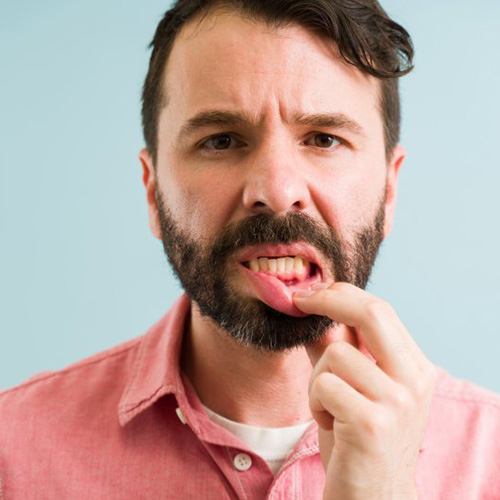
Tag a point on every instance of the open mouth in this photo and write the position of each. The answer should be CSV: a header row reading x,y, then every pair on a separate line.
x,y
274,273
291,270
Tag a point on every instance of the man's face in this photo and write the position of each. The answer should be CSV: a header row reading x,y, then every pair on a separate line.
x,y
269,146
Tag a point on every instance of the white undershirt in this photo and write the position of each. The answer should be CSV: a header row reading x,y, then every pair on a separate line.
x,y
273,444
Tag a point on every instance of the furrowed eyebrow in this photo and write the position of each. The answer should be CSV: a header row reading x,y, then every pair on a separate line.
x,y
330,120
211,118
233,119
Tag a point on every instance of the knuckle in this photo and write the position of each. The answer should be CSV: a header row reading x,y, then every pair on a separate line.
x,y
336,349
402,399
377,308
321,384
376,425
341,286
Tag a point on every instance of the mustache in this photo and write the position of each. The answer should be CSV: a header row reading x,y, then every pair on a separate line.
x,y
269,229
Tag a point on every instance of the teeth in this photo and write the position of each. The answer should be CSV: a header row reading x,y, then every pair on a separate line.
x,y
289,261
272,263
263,263
298,265
282,265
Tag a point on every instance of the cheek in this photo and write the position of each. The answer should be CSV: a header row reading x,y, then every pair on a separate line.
x,y
366,201
202,203
350,202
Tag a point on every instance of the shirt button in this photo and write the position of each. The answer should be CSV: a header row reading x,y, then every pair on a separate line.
x,y
242,462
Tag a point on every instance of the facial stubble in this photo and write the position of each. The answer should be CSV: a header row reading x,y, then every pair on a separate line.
x,y
206,273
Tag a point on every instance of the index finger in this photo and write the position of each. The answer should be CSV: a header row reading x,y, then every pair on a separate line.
x,y
380,328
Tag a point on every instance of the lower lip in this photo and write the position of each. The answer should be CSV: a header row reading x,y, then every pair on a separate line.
x,y
273,292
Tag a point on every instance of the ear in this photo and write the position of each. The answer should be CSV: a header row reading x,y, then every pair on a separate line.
x,y
149,180
397,159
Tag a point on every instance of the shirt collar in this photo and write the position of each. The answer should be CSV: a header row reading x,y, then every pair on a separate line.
x,y
155,370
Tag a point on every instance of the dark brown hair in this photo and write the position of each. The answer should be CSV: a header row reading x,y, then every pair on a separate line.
x,y
363,32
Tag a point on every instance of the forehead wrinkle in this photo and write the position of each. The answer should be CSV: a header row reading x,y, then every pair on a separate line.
x,y
238,98
223,118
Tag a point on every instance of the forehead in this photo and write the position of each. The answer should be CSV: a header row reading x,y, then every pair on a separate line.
x,y
226,61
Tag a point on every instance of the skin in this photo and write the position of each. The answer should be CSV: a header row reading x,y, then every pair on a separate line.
x,y
279,168
371,416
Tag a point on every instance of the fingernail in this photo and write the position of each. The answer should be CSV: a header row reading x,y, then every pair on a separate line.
x,y
302,294
319,286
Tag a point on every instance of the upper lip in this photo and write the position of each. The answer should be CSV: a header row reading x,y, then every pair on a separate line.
x,y
301,249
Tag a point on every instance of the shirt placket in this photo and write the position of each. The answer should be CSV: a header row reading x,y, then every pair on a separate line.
x,y
288,483
247,474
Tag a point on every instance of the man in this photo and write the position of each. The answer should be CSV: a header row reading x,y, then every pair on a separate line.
x,y
271,168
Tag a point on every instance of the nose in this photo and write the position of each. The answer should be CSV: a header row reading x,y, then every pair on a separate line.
x,y
276,182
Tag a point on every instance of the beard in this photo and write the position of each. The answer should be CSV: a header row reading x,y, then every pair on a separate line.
x,y
205,272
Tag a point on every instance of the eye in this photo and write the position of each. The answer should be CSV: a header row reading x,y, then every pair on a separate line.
x,y
219,142
325,141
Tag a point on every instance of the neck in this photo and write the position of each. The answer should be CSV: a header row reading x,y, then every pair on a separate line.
x,y
241,383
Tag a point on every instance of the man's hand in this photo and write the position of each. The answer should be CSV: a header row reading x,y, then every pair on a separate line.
x,y
371,413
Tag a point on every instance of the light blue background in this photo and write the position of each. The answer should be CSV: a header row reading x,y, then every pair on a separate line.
x,y
80,270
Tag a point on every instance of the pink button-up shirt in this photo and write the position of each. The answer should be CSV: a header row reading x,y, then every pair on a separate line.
x,y
109,427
